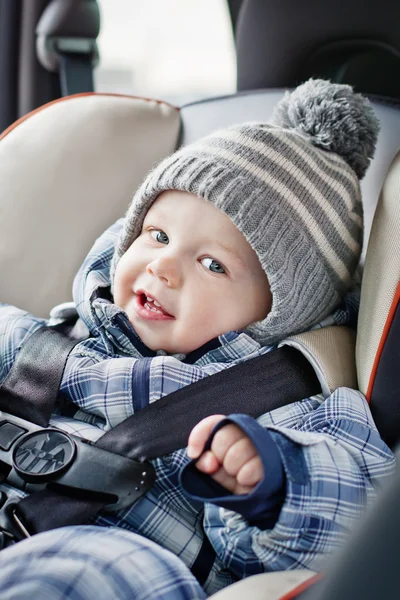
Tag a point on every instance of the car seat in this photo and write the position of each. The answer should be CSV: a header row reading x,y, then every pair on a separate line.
x,y
69,169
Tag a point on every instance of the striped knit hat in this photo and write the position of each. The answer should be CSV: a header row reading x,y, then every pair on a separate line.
x,y
292,188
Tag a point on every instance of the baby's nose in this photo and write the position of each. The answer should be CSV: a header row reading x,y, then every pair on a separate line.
x,y
166,268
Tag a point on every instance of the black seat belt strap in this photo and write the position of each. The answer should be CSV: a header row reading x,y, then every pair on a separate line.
x,y
255,387
31,387
76,73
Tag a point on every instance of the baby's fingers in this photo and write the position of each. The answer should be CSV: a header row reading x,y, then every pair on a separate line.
x,y
208,463
251,473
200,434
230,483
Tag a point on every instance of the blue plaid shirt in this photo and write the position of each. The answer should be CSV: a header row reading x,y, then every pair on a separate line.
x,y
332,455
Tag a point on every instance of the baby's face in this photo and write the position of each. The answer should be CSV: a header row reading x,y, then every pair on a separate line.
x,y
190,276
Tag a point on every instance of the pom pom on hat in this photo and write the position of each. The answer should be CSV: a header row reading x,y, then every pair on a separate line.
x,y
332,117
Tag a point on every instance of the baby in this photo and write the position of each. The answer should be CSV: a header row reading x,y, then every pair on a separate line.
x,y
230,245
189,277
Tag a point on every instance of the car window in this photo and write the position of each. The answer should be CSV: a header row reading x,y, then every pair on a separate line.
x,y
176,50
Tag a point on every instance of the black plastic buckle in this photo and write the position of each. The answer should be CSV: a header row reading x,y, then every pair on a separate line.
x,y
42,456
37,457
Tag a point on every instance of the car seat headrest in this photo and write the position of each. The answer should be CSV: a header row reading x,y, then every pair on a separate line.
x,y
282,44
68,170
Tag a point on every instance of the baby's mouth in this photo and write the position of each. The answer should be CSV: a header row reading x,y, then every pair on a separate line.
x,y
152,304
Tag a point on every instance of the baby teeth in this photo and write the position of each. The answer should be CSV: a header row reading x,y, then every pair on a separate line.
x,y
152,308
149,299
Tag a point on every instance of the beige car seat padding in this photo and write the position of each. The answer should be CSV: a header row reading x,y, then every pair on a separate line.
x,y
380,279
266,586
67,172
331,351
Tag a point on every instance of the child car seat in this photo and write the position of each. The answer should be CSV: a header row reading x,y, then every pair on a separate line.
x,y
83,156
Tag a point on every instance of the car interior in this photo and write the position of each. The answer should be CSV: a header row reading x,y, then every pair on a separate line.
x,y
67,149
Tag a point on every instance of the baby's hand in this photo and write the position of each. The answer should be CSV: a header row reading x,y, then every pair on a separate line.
x,y
232,460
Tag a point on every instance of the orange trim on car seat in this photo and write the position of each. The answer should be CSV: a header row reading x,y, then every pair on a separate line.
x,y
385,332
292,595
33,112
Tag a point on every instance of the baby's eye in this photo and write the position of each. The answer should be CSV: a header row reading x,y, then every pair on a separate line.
x,y
159,236
212,265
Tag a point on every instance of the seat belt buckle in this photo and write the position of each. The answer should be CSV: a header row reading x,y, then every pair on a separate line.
x,y
37,457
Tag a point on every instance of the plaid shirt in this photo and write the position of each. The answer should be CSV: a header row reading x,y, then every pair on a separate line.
x,y
332,454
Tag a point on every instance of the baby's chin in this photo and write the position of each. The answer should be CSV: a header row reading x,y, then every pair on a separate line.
x,y
170,349
157,343
162,344
169,338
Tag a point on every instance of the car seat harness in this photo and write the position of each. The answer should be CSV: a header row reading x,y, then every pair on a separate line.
x,y
70,479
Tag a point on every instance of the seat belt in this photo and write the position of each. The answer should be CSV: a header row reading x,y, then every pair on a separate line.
x,y
66,43
76,72
31,386
254,387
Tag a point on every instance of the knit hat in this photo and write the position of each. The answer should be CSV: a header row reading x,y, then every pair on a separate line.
x,y
292,188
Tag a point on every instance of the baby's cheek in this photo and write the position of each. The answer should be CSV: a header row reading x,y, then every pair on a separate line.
x,y
199,324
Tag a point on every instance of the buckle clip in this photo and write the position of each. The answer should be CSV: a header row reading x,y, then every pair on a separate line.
x,y
42,456
36,457
49,49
